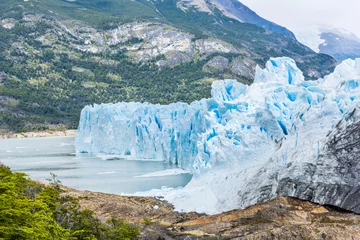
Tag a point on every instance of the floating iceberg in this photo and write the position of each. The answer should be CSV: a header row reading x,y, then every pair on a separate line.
x,y
245,144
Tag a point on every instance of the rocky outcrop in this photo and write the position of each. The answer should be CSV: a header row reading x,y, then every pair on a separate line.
x,y
243,67
8,23
143,41
282,218
216,64
240,67
173,58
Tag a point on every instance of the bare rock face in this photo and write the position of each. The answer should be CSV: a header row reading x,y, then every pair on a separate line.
x,y
200,5
157,39
209,46
243,67
173,58
143,41
282,218
216,64
8,23
313,74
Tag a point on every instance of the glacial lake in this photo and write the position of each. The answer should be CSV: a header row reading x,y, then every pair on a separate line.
x,y
38,157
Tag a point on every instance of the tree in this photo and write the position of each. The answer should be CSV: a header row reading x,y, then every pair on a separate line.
x,y
29,210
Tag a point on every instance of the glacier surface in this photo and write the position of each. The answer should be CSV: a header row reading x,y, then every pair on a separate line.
x,y
245,144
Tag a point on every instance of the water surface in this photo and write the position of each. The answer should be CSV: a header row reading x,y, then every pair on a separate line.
x,y
38,157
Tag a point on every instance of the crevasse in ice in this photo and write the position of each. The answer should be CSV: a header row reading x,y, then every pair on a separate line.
x,y
226,139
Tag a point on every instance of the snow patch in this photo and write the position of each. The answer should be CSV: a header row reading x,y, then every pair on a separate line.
x,y
310,36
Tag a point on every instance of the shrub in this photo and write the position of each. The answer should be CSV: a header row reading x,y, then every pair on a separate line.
x,y
29,210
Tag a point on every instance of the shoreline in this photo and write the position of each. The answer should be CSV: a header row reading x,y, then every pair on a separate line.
x,y
49,133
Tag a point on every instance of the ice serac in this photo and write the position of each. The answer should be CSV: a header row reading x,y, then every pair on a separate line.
x,y
281,136
142,131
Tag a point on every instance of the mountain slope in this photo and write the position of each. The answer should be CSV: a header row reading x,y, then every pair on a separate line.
x,y
241,12
57,56
337,43
340,46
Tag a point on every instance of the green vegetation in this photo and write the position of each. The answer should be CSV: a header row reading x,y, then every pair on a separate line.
x,y
147,221
47,83
99,13
29,210
52,88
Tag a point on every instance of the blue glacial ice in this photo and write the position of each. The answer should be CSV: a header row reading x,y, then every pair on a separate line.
x,y
227,140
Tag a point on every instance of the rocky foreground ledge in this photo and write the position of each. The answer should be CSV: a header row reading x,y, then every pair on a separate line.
x,y
39,134
282,218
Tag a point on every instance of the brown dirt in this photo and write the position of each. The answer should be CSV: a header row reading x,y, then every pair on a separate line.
x,y
282,218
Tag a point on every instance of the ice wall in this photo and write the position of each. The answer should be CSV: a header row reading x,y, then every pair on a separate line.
x,y
225,129
238,142
143,131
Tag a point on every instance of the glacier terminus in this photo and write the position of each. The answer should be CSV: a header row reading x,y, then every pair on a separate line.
x,y
280,136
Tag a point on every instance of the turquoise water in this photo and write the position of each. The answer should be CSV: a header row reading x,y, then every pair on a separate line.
x,y
38,157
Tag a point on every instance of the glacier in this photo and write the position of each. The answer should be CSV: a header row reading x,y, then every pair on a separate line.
x,y
245,144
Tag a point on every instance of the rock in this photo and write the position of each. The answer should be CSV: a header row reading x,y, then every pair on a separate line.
x,y
133,209
157,39
200,5
243,67
31,17
173,58
216,64
282,218
211,45
313,74
8,23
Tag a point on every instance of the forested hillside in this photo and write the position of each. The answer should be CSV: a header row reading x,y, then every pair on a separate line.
x,y
58,56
